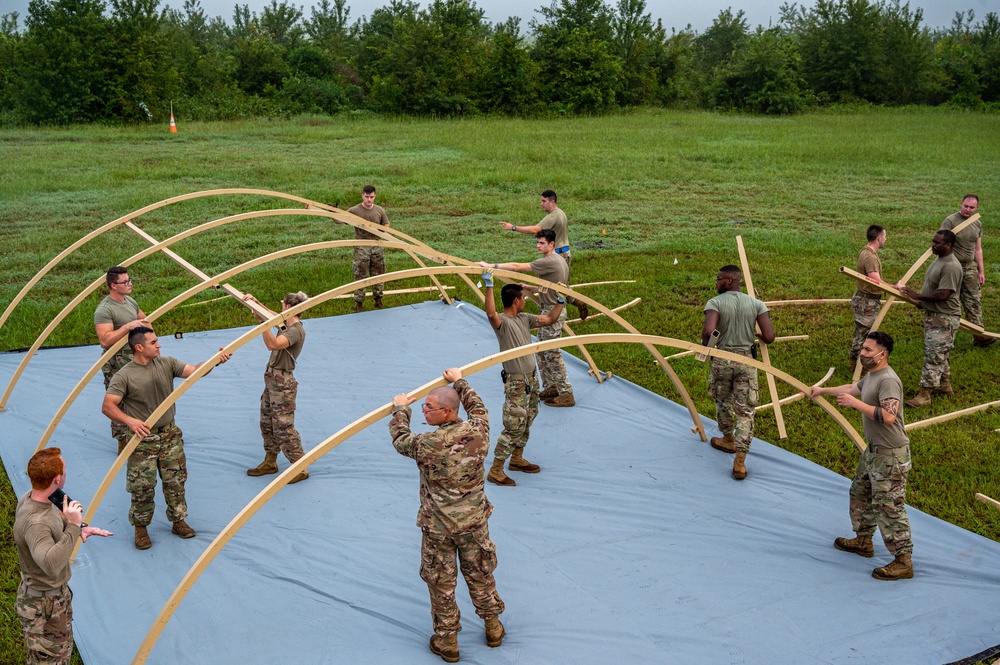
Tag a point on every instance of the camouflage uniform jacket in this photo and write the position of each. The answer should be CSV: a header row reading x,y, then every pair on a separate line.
x,y
450,459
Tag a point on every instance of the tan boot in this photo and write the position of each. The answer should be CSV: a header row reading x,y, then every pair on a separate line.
x,y
302,475
182,529
726,444
378,303
739,465
446,647
923,398
268,466
860,545
497,476
359,307
518,463
494,632
142,541
944,388
548,393
900,568
562,400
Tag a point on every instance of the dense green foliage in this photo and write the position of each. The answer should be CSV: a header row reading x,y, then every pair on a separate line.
x,y
125,61
654,186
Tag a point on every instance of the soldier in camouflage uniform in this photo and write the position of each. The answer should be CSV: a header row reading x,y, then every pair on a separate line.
x,y
454,510
942,314
878,491
520,406
867,299
368,261
732,384
134,393
277,403
114,318
969,252
45,538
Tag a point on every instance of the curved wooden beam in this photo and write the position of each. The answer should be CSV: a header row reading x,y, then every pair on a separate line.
x,y
951,416
906,278
321,449
988,500
807,301
798,396
613,281
765,355
344,217
786,338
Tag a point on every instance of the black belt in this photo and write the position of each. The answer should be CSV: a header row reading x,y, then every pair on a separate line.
x,y
562,250
871,296
876,450
38,593
161,429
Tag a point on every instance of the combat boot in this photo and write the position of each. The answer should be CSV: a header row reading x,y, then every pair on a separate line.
x,y
582,308
548,393
359,307
562,400
497,476
446,647
944,388
982,341
494,632
900,568
739,466
922,399
268,466
378,303
182,529
726,444
860,545
302,475
142,541
518,463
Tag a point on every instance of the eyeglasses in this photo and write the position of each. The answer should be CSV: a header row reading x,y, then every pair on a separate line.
x,y
435,408
127,281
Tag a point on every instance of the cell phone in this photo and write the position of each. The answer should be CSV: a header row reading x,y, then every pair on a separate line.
x,y
57,499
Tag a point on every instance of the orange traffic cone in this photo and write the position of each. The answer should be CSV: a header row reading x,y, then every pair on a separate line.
x,y
173,125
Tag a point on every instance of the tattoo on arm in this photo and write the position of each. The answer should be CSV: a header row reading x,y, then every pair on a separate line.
x,y
877,416
890,406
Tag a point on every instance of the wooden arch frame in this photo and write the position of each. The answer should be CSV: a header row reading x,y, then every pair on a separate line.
x,y
164,244
321,449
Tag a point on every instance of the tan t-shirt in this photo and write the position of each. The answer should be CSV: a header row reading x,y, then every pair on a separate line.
x,y
376,216
556,220
554,269
144,387
965,240
868,261
515,332
285,358
738,314
116,313
877,386
40,534
944,273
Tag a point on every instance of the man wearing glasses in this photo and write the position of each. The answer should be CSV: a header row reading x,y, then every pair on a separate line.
x,y
454,510
114,318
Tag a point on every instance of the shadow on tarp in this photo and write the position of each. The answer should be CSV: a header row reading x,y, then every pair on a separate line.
x,y
633,545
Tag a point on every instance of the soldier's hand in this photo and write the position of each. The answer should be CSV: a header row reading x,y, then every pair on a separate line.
x,y
224,357
506,226
137,426
452,375
88,531
72,511
138,323
845,399
402,399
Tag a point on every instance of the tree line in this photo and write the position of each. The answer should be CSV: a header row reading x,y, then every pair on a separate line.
x,y
124,61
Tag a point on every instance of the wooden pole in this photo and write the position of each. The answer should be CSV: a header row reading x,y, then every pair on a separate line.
x,y
798,396
951,416
787,338
988,500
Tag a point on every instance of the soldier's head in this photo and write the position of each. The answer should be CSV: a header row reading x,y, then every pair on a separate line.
x,y
876,232
293,299
970,204
548,200
875,350
144,342
510,294
368,196
943,243
118,281
441,405
728,279
46,466
545,240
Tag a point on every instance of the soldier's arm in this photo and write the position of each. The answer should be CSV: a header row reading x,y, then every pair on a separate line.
x,y
710,326
533,229
112,410
766,329
473,404
403,440
107,335
190,369
551,317
51,555
978,255
491,308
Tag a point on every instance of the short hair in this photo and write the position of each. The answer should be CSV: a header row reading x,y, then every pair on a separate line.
x,y
44,466
731,270
293,299
446,396
509,293
112,276
882,339
971,196
874,231
368,189
548,234
550,195
138,336
948,236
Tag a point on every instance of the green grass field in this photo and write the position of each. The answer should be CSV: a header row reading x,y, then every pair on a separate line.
x,y
667,192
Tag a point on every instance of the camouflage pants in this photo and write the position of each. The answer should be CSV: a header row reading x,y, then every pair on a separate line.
x,y
971,294
277,414
119,431
878,497
47,624
477,556
733,386
550,363
368,262
520,407
865,310
163,453
939,338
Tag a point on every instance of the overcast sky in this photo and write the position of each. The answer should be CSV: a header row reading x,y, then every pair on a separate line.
x,y
674,13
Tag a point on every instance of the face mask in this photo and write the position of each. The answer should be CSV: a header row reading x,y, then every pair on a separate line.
x,y
871,361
